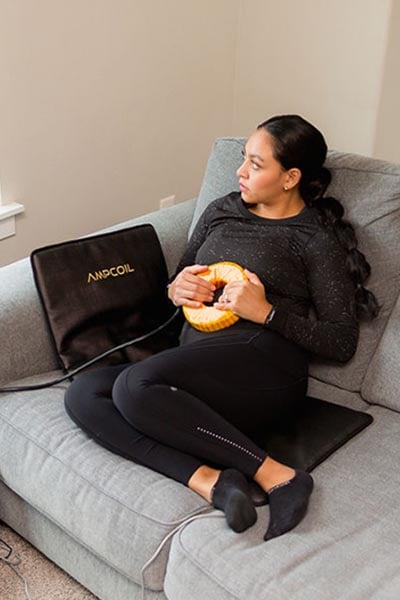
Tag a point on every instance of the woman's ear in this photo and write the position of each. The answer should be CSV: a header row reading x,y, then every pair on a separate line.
x,y
293,177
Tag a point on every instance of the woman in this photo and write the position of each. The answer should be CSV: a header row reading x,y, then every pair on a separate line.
x,y
189,412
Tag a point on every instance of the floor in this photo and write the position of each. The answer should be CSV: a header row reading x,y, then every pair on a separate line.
x,y
31,576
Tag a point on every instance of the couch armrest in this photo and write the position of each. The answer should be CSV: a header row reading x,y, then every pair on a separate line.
x,y
25,345
26,348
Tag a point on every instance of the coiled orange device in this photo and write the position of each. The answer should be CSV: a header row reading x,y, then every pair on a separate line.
x,y
209,318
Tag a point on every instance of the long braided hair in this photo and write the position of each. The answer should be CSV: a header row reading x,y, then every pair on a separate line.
x,y
298,144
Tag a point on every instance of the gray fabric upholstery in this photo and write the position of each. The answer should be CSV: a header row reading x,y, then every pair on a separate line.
x,y
382,381
347,547
25,346
370,191
71,555
52,465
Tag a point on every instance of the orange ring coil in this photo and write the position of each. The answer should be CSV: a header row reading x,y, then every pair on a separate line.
x,y
208,318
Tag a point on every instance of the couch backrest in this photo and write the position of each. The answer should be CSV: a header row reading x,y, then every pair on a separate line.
x,y
370,192
381,384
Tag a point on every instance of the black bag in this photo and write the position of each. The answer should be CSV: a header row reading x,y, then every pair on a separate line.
x,y
101,291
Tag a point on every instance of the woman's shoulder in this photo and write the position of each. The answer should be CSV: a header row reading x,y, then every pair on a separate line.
x,y
228,202
224,204
322,239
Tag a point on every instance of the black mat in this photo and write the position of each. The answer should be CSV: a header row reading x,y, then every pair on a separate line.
x,y
317,430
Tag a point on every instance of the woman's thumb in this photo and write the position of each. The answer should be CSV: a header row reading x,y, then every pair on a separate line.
x,y
252,277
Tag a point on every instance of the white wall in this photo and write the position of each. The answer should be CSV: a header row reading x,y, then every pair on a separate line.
x,y
106,107
387,138
323,59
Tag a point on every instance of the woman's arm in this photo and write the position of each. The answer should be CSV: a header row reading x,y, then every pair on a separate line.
x,y
185,287
333,332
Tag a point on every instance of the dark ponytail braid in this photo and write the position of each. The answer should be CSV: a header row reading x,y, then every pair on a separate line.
x,y
298,144
331,212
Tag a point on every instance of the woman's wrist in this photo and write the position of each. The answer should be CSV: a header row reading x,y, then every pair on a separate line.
x,y
269,316
262,313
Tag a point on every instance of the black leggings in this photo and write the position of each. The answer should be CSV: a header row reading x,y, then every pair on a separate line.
x,y
192,405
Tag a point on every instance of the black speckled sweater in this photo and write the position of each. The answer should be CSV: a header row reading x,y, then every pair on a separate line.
x,y
301,264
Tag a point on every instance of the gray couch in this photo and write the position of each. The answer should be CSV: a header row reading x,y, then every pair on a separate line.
x,y
101,518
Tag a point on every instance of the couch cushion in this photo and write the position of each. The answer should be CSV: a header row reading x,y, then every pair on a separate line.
x,y
370,192
113,507
382,381
347,546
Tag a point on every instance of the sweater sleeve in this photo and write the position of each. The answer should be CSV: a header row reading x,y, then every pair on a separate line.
x,y
332,331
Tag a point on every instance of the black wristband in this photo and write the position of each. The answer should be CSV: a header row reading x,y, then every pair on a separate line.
x,y
269,317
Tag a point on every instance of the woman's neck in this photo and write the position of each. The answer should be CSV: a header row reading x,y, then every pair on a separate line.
x,y
279,210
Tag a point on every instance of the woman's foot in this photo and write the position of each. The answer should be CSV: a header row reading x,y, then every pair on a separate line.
x,y
288,492
231,494
257,494
288,502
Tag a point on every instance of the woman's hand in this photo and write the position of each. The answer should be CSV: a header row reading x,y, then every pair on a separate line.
x,y
189,290
246,299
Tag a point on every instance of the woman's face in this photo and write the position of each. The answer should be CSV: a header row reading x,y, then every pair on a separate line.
x,y
261,177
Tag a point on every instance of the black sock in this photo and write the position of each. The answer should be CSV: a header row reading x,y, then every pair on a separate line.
x,y
231,495
288,504
257,494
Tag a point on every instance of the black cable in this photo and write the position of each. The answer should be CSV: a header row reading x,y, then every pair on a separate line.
x,y
89,363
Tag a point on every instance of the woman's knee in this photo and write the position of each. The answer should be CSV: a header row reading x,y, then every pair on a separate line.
x,y
136,394
73,402
82,395
127,394
77,399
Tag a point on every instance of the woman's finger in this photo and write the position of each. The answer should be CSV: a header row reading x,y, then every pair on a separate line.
x,y
191,303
